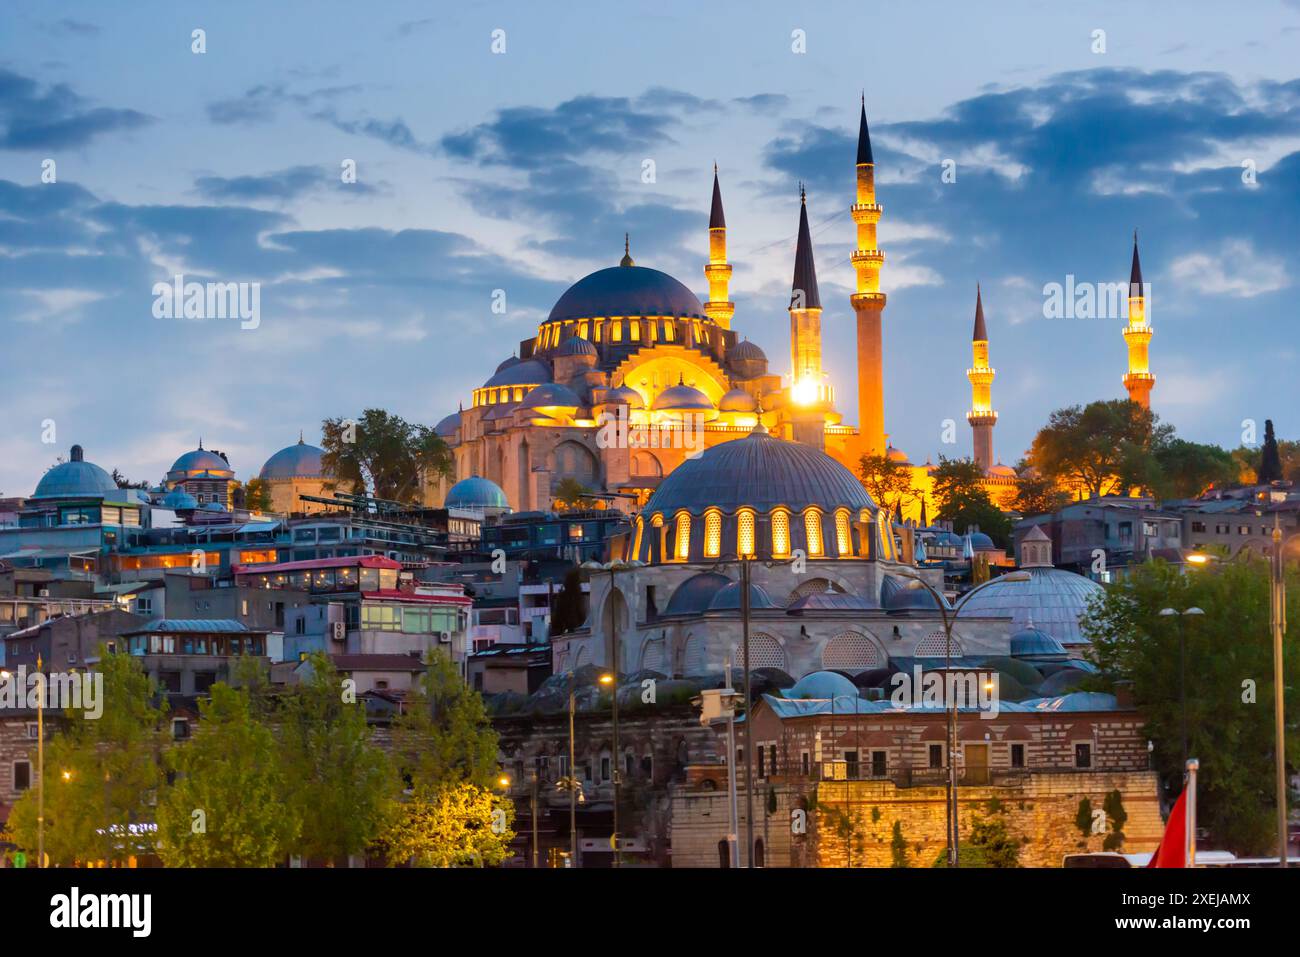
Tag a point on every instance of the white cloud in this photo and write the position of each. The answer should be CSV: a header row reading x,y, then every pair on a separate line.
x,y
1235,269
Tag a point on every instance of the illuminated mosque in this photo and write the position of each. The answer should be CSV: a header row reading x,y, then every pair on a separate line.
x,y
634,346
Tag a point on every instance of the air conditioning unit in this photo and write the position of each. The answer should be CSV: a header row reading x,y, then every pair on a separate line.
x,y
444,637
339,630
43,593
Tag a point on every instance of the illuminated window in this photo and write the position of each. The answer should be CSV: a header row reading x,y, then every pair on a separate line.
x,y
597,326
582,329
812,526
745,533
640,532
683,542
634,330
668,330
712,534
843,540
616,332
781,533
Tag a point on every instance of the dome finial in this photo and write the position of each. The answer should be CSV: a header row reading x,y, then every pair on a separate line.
x,y
759,428
300,441
627,252
200,443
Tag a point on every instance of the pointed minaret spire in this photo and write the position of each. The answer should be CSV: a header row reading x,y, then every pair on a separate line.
x,y
627,252
864,136
867,299
1138,380
805,270
981,416
717,270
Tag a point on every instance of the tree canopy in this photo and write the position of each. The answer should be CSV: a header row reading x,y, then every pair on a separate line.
x,y
383,455
962,499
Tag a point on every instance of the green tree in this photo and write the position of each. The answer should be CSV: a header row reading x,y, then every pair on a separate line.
x,y
889,483
1104,448
1083,818
1270,457
962,499
257,495
1036,494
443,735
230,771
1230,683
571,495
339,784
455,826
1116,818
1186,469
994,842
384,455
101,773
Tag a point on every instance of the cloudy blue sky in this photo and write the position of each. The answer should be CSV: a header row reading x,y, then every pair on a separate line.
x,y
521,171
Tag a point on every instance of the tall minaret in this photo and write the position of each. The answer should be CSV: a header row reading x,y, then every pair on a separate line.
x,y
807,393
981,416
719,308
868,301
1137,335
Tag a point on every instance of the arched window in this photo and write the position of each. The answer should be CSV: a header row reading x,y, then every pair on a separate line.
x,y
765,652
781,533
812,526
582,328
668,330
745,533
712,533
682,542
616,331
843,540
640,533
652,655
934,645
851,651
634,330
694,658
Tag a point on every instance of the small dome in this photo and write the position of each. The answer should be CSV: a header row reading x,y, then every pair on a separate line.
x,y
624,395
682,398
746,351
693,595
179,500
576,346
212,507
896,455
981,542
822,685
476,492
895,595
201,460
551,395
508,362
728,598
627,291
1053,599
447,427
73,478
1034,644
737,400
527,372
294,461
1002,471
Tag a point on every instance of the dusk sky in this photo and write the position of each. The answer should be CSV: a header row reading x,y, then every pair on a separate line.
x,y
522,170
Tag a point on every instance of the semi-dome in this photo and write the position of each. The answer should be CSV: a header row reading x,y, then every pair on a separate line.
x,y
737,400
179,500
693,595
1034,644
527,372
746,351
476,492
822,685
201,460
447,427
981,542
75,477
683,398
551,395
294,461
728,598
760,472
1053,600
576,346
627,291
624,395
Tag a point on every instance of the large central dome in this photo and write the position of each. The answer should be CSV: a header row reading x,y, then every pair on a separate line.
x,y
627,291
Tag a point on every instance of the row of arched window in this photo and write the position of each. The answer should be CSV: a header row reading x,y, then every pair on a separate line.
x,y
817,533
665,329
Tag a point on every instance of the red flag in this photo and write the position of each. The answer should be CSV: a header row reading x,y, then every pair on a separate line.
x,y
1172,851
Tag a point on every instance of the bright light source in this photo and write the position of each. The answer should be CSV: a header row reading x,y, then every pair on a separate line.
x,y
805,392
607,679
67,775
1197,558
504,781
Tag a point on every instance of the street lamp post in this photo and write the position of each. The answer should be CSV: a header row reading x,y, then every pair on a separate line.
x,y
953,837
1182,664
749,712
1277,619
40,767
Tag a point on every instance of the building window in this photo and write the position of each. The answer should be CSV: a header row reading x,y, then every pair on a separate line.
x,y
180,729
1017,755
805,762
843,540
745,533
712,534
936,755
1083,755
812,526
1198,526
640,532
762,763
682,545
144,606
604,767
22,775
781,533
879,763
